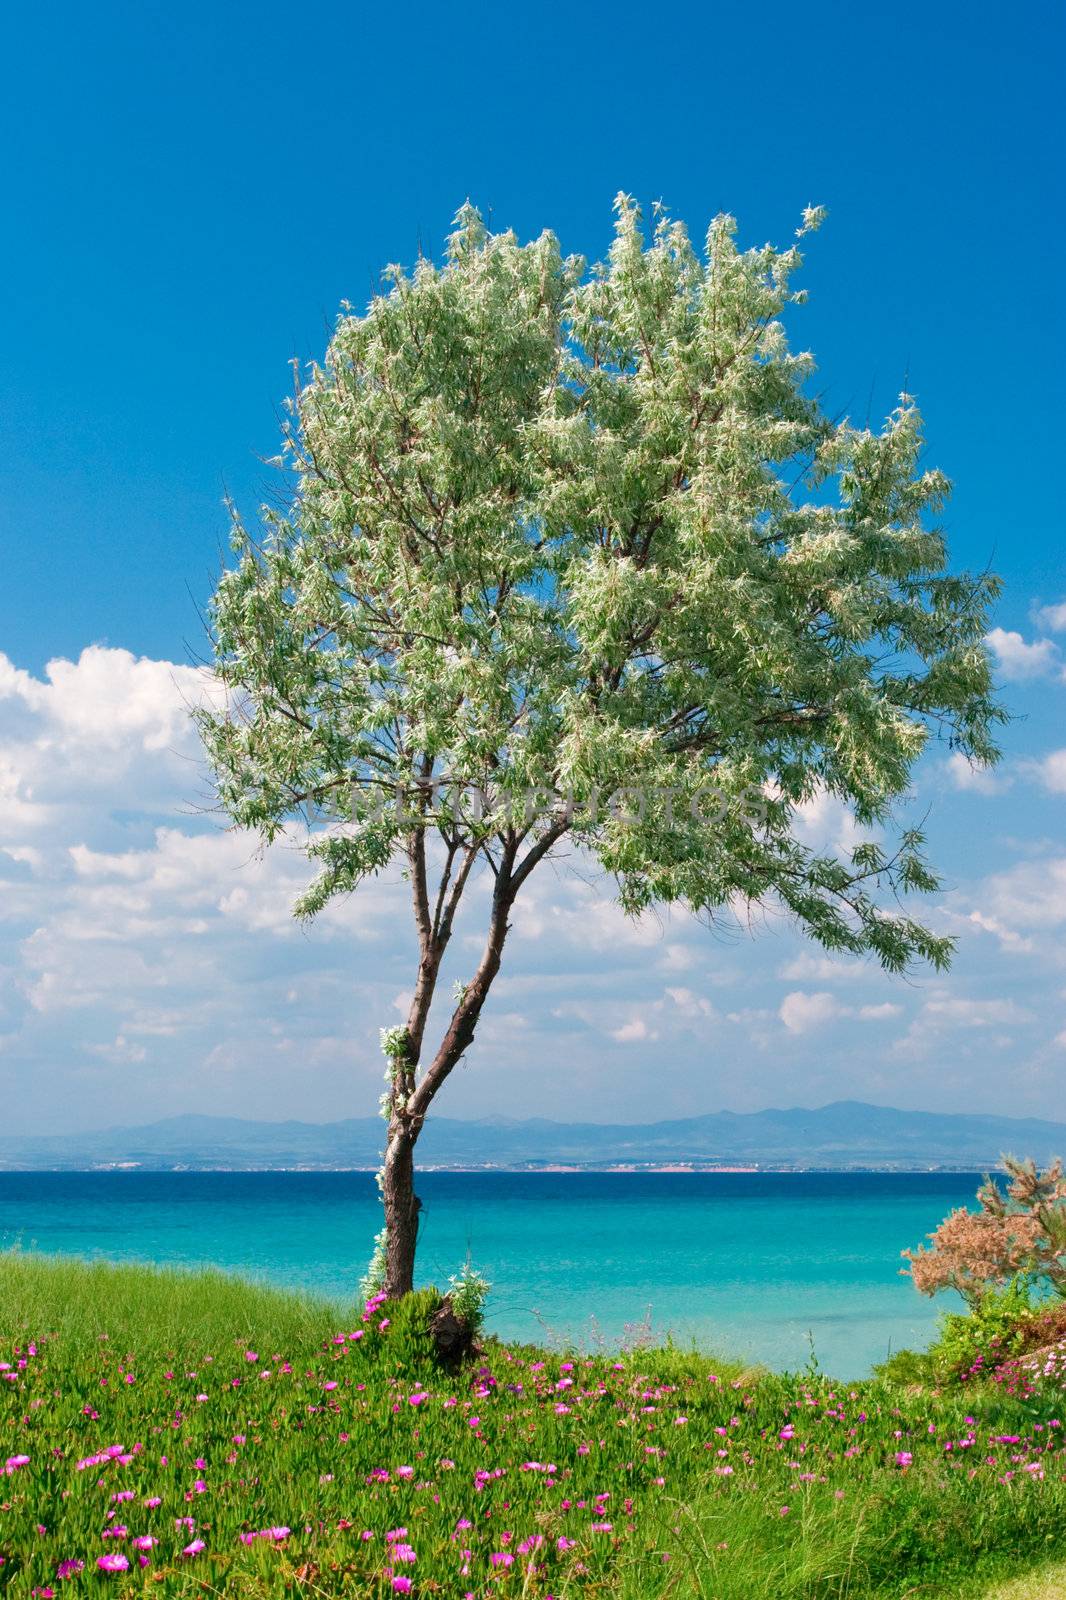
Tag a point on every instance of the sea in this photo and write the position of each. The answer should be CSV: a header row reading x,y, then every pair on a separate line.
x,y
783,1269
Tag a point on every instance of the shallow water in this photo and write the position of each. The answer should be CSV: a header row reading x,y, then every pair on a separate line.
x,y
744,1264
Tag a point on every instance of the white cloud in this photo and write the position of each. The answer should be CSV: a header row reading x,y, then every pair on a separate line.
x,y
1053,618
151,963
960,1011
693,1006
1029,898
825,823
1051,771
801,1012
809,967
966,774
1018,660
632,1032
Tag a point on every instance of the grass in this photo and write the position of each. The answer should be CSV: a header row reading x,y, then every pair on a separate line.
x,y
270,1444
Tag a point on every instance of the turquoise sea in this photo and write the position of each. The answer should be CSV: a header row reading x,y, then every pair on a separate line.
x,y
754,1265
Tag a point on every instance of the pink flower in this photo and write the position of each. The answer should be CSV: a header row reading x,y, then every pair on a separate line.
x,y
112,1563
401,1584
194,1548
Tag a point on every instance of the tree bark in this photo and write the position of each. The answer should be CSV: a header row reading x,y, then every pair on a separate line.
x,y
411,1099
402,1206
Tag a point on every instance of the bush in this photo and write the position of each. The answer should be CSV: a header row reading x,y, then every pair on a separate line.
x,y
467,1295
1045,1325
1019,1233
974,1343
411,1347
908,1369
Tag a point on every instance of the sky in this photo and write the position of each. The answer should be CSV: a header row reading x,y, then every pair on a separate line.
x,y
190,194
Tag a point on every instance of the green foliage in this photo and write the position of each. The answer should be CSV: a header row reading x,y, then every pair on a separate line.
x,y
468,1291
373,1279
411,1346
835,1491
992,1329
907,1368
581,531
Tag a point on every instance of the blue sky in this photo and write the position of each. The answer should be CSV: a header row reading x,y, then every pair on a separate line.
x,y
189,197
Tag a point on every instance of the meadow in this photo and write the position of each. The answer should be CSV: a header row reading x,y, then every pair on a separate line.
x,y
174,1433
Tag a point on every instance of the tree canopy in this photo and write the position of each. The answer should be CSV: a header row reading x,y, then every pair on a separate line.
x,y
577,554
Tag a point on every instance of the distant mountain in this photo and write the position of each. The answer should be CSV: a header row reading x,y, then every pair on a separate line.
x,y
844,1134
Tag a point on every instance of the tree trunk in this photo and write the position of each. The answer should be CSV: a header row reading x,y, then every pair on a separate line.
x,y
402,1206
411,1100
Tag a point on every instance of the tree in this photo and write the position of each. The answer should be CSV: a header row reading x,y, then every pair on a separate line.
x,y
1020,1234
574,555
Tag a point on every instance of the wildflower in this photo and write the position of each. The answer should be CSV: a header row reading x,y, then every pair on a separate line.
x,y
113,1563
194,1548
401,1585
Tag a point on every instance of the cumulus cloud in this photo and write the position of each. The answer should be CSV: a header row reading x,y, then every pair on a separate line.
x,y
800,1011
1051,618
150,962
1051,771
969,775
635,1031
803,1012
1019,660
1028,899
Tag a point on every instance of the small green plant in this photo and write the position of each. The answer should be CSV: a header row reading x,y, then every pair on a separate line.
x,y
410,1341
907,1368
975,1341
468,1291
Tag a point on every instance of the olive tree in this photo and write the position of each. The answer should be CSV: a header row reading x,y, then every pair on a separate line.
x,y
574,557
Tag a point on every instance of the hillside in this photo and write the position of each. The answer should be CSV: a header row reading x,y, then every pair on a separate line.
x,y
844,1134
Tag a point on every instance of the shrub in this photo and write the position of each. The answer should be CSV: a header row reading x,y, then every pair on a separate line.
x,y
467,1294
1019,1233
907,1368
974,1343
411,1346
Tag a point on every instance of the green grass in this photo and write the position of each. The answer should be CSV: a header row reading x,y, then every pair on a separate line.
x,y
669,1475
